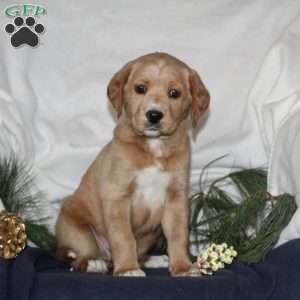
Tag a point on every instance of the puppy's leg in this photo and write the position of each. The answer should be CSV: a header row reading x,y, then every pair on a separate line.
x,y
75,242
121,238
175,227
144,244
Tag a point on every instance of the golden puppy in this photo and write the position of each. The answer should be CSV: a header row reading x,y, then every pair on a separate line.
x,y
137,185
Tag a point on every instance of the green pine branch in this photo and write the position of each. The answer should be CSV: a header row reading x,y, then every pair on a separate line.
x,y
16,184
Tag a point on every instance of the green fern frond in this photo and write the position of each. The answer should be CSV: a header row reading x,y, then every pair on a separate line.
x,y
252,226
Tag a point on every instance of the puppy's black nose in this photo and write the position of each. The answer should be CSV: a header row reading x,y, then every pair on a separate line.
x,y
154,116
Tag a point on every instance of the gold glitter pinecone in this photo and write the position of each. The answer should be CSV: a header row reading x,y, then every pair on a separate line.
x,y
12,235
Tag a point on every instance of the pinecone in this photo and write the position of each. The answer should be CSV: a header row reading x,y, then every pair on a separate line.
x,y
12,235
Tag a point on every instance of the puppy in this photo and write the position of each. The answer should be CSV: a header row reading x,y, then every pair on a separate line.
x,y
137,186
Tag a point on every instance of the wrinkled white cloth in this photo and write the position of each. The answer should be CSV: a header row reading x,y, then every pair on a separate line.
x,y
276,100
1,205
285,169
53,106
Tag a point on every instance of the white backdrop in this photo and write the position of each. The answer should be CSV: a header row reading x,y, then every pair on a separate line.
x,y
53,106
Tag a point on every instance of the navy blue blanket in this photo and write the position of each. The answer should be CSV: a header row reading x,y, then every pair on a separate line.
x,y
35,275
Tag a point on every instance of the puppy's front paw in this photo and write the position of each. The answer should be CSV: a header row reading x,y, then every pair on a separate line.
x,y
132,273
192,271
185,270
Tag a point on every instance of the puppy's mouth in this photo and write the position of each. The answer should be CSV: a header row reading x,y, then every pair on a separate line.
x,y
157,130
151,130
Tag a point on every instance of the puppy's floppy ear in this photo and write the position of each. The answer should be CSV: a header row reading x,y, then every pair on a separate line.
x,y
115,89
200,97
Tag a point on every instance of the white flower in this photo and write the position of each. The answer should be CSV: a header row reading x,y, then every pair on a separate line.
x,y
215,257
225,245
228,260
204,255
219,248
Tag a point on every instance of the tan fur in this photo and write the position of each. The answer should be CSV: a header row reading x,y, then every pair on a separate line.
x,y
103,202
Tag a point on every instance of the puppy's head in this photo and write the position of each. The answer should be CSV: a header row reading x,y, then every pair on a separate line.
x,y
156,92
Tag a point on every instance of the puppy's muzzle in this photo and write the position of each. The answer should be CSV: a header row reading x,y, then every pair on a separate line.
x,y
154,116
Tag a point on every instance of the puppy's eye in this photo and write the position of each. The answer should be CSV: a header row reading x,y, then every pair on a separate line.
x,y
140,89
173,93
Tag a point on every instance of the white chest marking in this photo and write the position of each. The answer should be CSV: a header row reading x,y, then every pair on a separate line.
x,y
155,147
151,187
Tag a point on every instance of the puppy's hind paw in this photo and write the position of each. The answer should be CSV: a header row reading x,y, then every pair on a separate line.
x,y
132,273
97,265
157,261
